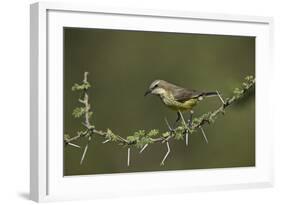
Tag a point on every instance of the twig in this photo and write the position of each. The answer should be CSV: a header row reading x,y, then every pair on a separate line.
x,y
80,134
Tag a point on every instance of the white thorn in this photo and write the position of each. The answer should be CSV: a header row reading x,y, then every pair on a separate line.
x,y
144,147
106,141
73,145
84,153
220,97
167,153
128,159
186,138
182,118
205,137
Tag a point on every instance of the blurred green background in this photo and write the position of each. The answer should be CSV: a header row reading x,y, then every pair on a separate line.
x,y
122,64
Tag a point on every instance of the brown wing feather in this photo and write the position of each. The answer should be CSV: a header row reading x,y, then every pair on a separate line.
x,y
182,94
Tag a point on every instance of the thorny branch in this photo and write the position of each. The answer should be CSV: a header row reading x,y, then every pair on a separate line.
x,y
141,138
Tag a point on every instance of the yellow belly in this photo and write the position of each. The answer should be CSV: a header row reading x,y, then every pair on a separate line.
x,y
179,106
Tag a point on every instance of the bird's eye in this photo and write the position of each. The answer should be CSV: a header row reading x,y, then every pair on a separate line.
x,y
155,86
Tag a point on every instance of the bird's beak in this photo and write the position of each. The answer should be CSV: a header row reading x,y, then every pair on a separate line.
x,y
147,92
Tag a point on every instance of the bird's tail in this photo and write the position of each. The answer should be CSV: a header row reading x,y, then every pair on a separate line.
x,y
210,94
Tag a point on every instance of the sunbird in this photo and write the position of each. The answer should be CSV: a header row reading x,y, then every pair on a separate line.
x,y
178,98
175,97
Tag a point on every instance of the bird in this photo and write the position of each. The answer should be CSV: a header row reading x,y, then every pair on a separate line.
x,y
177,98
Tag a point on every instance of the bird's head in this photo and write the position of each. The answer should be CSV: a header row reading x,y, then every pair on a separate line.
x,y
157,87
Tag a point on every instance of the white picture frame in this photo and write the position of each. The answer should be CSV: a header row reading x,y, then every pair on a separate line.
x,y
47,182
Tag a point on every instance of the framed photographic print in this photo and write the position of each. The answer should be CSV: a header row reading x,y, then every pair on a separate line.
x,y
128,102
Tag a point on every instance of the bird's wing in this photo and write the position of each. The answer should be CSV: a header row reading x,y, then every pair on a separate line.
x,y
183,94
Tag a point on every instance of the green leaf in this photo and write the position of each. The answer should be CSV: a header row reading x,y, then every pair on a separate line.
x,y
153,133
143,141
249,78
66,137
78,112
238,92
139,133
111,136
165,134
132,139
178,132
83,86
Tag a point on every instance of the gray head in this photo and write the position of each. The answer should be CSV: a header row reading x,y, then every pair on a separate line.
x,y
157,87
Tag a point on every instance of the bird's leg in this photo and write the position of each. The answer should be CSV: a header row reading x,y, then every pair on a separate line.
x,y
178,118
190,118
